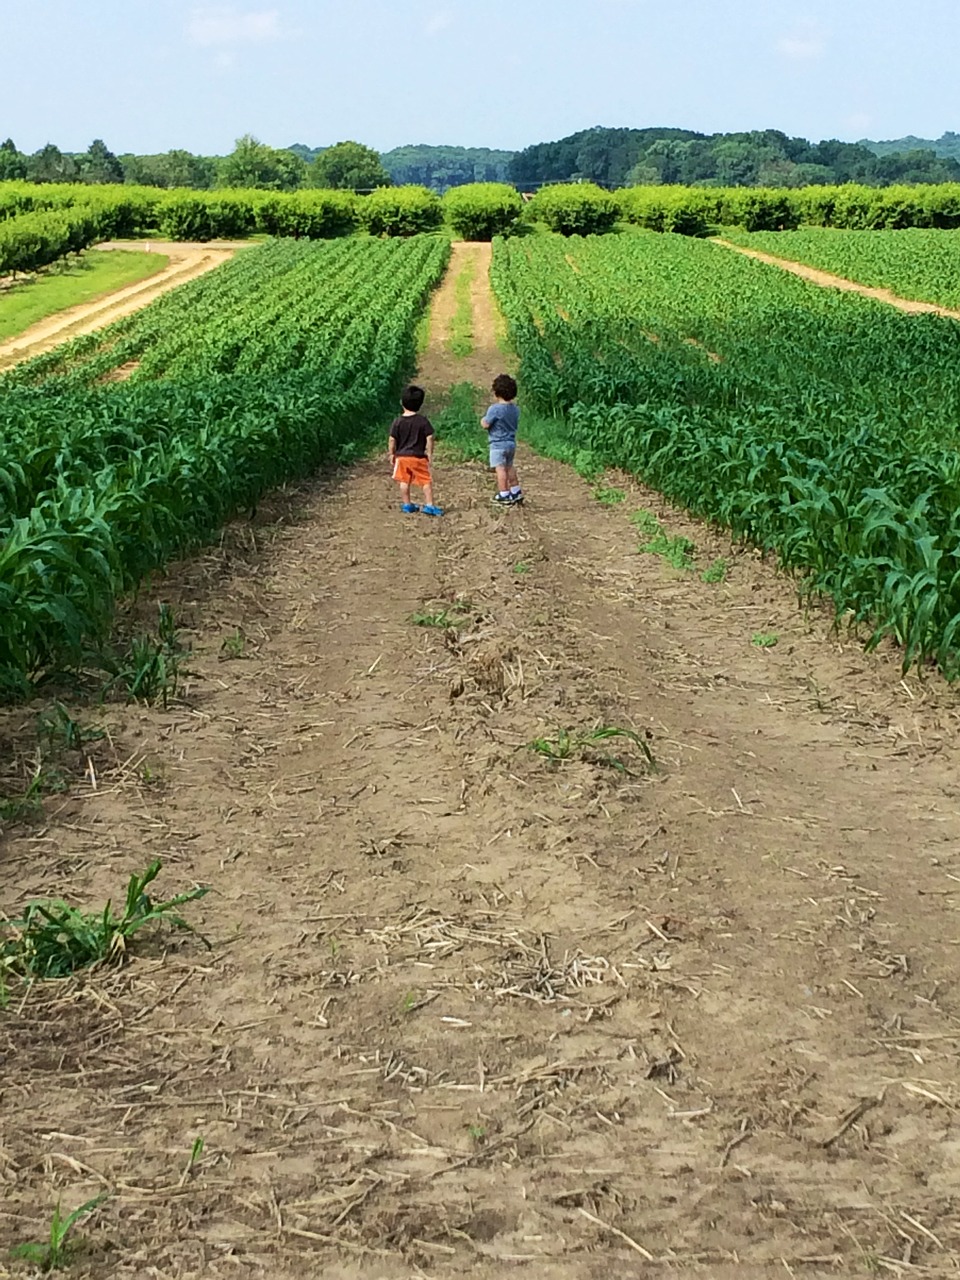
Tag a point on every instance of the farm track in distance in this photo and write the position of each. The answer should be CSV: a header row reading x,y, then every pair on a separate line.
x,y
467,1012
827,280
187,262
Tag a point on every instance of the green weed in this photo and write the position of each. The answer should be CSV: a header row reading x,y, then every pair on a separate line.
x,y
196,1151
764,639
52,1254
609,497
53,939
450,615
677,551
585,744
716,571
235,644
149,670
27,806
521,567
58,729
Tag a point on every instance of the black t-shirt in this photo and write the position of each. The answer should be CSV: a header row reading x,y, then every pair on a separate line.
x,y
411,432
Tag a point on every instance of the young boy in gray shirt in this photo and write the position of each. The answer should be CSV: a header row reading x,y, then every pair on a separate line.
x,y
501,421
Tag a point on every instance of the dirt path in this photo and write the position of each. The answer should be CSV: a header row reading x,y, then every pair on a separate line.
x,y
439,369
829,281
470,1012
187,261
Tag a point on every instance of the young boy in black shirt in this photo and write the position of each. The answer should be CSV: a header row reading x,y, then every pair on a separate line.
x,y
410,449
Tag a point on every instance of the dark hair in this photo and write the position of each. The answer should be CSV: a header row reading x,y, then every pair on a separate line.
x,y
505,387
413,397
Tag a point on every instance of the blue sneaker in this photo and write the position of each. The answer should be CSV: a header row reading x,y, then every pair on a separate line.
x,y
409,508
433,511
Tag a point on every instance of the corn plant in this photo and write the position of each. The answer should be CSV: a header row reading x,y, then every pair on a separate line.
x,y
53,939
52,1254
815,424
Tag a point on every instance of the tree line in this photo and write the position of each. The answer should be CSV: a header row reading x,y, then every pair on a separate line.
x,y
608,157
762,158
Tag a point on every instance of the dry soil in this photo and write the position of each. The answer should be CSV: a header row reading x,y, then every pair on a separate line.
x,y
470,1010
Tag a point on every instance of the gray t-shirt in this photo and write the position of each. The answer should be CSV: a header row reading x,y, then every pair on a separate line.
x,y
503,419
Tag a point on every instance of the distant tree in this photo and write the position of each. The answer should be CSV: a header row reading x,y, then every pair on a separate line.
x,y
348,166
99,164
172,169
49,164
13,164
253,164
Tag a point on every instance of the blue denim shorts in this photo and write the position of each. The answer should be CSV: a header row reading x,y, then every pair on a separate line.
x,y
502,455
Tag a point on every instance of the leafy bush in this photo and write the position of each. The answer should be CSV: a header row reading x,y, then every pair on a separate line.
x,y
689,211
400,211
576,208
311,215
482,210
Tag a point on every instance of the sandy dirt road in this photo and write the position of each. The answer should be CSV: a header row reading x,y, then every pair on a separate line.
x,y
187,261
469,1011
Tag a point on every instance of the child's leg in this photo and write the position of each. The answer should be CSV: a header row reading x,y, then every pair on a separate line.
x,y
513,480
428,493
404,492
503,477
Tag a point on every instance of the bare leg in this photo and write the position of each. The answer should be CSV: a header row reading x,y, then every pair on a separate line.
x,y
428,494
513,480
503,478
404,493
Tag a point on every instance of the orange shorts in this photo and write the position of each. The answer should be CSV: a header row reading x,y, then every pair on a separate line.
x,y
412,471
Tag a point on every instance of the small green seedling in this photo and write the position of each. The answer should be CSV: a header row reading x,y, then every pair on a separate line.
x,y
521,567
609,497
53,939
28,805
196,1151
584,744
234,644
478,1133
449,615
715,572
59,729
557,748
764,639
149,670
52,1254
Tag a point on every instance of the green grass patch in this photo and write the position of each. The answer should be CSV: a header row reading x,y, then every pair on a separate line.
x,y
458,428
460,341
24,303
716,571
764,639
609,497
676,550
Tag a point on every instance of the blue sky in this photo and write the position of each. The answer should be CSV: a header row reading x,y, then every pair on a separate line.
x,y
148,75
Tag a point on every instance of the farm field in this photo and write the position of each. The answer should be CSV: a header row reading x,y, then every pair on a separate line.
x,y
488,992
817,424
915,263
178,264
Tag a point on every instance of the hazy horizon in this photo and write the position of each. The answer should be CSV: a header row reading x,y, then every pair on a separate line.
x,y
151,75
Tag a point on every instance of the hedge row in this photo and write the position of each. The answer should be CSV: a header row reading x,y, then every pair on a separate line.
x,y
479,211
34,240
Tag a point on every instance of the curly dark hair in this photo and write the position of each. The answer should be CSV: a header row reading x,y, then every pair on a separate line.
x,y
413,398
505,387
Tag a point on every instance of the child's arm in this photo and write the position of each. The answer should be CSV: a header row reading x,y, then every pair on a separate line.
x,y
485,424
392,451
